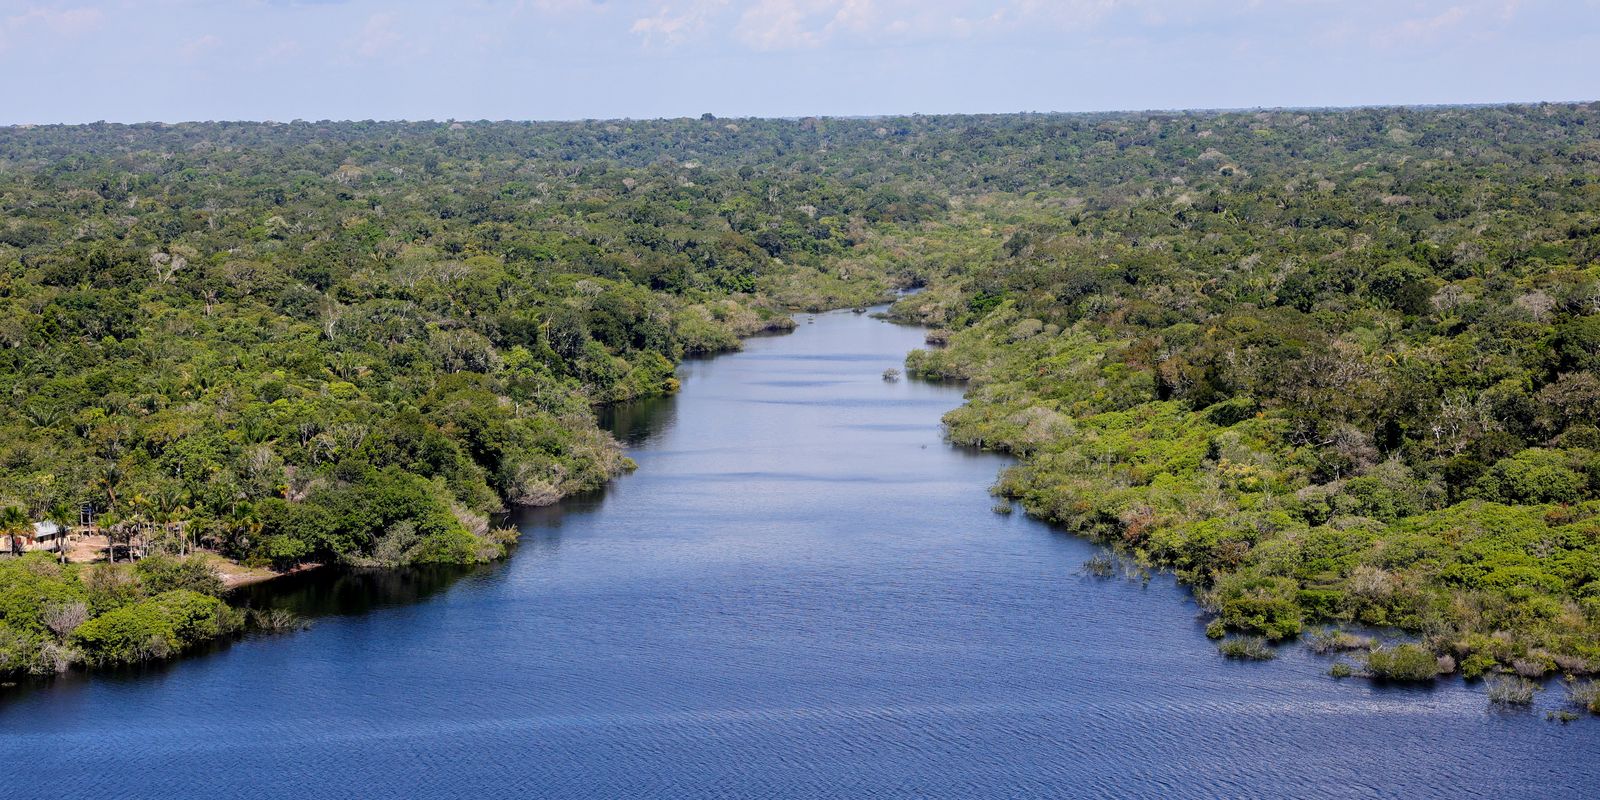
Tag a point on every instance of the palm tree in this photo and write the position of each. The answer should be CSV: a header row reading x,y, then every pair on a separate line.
x,y
110,478
14,524
167,509
138,519
110,525
61,515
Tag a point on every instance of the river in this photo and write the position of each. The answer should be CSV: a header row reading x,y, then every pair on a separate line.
x,y
801,593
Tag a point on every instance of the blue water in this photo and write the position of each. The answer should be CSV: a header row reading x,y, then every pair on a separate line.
x,y
801,593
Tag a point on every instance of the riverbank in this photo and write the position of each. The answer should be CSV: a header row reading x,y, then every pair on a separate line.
x,y
92,549
1275,540
400,548
235,575
803,592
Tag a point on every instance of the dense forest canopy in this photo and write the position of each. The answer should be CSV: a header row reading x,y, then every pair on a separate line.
x,y
1332,366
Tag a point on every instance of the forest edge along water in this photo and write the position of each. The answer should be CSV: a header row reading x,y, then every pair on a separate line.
x,y
803,591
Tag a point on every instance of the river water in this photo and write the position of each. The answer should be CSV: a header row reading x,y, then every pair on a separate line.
x,y
801,593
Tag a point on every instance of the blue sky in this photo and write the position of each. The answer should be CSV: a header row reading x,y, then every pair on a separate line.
x,y
135,60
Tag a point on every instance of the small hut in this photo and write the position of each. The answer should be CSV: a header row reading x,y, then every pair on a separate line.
x,y
41,536
49,536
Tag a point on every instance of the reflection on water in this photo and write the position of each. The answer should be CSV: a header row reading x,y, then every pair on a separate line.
x,y
801,593
334,590
635,423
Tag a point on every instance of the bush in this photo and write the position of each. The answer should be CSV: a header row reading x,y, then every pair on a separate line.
x,y
154,628
1476,664
277,620
1510,691
1585,695
1100,566
1340,670
1532,476
163,574
1249,648
1406,662
1264,605
1331,640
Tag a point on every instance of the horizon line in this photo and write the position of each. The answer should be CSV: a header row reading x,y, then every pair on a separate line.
x,y
796,118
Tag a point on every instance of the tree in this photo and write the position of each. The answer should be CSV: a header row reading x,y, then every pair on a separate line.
x,y
14,525
61,515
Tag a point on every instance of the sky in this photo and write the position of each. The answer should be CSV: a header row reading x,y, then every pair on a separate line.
x,y
175,60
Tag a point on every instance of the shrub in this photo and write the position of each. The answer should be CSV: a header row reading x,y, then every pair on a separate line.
x,y
1585,695
1331,640
154,628
1406,662
1340,670
1531,476
1533,665
277,620
1264,605
1510,691
1476,664
1100,566
163,574
455,546
1249,648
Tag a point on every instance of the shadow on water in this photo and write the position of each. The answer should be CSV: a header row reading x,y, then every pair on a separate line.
x,y
312,594
334,591
331,591
637,422
346,591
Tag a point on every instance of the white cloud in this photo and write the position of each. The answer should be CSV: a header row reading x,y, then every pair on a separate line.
x,y
66,21
280,51
199,46
59,21
378,37
799,24
1420,29
673,24
557,6
782,24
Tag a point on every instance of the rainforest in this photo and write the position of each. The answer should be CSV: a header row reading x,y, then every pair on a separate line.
x,y
1335,369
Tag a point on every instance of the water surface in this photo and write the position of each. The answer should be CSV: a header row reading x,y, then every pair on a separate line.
x,y
802,593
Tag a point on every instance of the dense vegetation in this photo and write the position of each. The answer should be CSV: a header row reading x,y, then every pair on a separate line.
x,y
105,614
351,342
1331,366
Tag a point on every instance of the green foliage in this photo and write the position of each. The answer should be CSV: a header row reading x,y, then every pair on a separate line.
x,y
1264,605
1406,662
159,574
209,322
1301,369
1322,372
1247,648
54,615
155,628
1535,476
